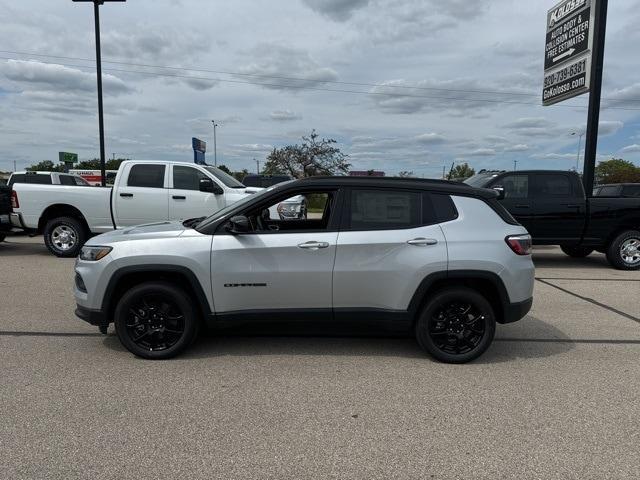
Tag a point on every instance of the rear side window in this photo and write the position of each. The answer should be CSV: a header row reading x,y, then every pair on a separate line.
x,y
550,185
66,180
631,191
608,191
38,179
385,209
144,175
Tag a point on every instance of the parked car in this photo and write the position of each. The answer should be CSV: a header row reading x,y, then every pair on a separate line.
x,y
264,181
5,210
144,191
47,178
617,190
442,260
553,207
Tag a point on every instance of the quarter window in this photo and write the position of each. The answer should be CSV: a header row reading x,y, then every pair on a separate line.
x,y
143,175
384,209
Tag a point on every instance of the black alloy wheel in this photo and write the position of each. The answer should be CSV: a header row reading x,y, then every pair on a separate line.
x,y
156,320
456,326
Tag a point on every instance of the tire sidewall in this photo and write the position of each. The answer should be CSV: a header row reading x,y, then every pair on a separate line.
x,y
81,236
443,297
177,295
613,252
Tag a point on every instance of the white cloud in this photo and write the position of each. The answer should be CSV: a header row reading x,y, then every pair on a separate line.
x,y
631,148
481,152
338,10
429,138
521,147
284,115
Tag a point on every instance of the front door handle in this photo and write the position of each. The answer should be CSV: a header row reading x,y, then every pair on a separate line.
x,y
422,241
522,205
572,205
179,197
126,194
313,245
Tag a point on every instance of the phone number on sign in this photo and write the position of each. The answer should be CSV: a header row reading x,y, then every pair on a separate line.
x,y
567,72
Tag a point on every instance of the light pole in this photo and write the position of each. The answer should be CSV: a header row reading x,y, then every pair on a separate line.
x,y
257,165
215,150
579,143
96,17
515,165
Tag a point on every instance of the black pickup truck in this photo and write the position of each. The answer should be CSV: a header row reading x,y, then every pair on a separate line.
x,y
553,207
5,209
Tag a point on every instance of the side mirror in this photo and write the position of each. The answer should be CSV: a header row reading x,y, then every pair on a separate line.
x,y
207,185
238,224
500,190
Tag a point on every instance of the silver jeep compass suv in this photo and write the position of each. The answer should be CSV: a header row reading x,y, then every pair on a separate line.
x,y
440,259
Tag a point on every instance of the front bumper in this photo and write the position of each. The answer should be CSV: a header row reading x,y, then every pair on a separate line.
x,y
516,311
92,317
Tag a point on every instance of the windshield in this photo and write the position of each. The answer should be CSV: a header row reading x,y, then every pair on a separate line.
x,y
480,179
225,178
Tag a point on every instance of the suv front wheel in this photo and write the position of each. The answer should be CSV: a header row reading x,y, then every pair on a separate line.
x,y
457,325
156,320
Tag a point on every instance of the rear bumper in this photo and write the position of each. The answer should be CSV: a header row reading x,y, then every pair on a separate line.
x,y
92,317
516,311
16,220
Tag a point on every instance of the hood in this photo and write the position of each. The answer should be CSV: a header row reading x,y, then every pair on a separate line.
x,y
251,190
140,232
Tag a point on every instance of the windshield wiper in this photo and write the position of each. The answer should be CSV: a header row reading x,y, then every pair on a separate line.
x,y
192,222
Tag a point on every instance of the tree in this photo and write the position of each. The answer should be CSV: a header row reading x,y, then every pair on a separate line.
x,y
94,164
405,173
617,170
46,166
240,175
225,169
462,172
313,157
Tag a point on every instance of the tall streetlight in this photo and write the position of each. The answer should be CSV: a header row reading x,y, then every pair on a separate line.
x,y
215,152
96,16
515,165
579,143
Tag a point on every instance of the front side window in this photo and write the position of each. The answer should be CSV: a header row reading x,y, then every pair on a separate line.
x,y
146,175
515,186
187,178
384,209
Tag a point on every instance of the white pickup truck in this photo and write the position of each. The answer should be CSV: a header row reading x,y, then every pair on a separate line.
x,y
144,191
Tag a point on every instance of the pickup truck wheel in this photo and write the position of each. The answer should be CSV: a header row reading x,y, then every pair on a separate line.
x,y
2,237
624,251
64,236
456,326
156,320
576,252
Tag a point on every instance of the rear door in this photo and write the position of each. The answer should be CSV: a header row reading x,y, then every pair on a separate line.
x,y
388,242
560,208
185,198
142,195
518,198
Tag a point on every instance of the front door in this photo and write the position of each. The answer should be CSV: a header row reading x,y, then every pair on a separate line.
x,y
279,266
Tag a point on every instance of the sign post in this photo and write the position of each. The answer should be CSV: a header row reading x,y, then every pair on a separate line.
x,y
574,55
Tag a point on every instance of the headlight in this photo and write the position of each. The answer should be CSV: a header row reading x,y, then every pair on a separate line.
x,y
93,254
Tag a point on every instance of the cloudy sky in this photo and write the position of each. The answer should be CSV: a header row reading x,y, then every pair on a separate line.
x,y
401,85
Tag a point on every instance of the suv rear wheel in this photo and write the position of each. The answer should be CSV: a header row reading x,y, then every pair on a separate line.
x,y
624,251
456,326
156,320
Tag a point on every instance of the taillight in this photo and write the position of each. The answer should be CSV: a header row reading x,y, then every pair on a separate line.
x,y
14,200
520,244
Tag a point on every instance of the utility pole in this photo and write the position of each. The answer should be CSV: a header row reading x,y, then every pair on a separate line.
x,y
578,153
215,149
593,118
257,165
15,169
444,168
96,18
515,165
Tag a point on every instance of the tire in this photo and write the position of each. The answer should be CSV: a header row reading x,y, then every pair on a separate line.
x,y
445,331
2,237
146,314
576,252
64,236
623,252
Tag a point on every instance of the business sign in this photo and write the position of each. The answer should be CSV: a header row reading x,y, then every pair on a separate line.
x,y
199,149
567,53
67,157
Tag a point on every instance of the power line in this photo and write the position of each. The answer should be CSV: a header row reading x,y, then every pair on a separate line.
x,y
306,87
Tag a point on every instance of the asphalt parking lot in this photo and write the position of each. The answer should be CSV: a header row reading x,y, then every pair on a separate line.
x,y
556,396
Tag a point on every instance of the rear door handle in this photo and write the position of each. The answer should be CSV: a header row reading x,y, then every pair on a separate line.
x,y
126,194
571,205
179,197
522,205
422,241
313,245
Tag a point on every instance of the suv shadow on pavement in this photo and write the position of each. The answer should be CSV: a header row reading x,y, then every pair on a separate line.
x,y
276,338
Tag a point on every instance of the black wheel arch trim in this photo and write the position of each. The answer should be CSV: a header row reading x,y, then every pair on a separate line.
x,y
194,283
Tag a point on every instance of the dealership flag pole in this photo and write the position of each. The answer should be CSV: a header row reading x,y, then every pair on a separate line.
x,y
593,119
